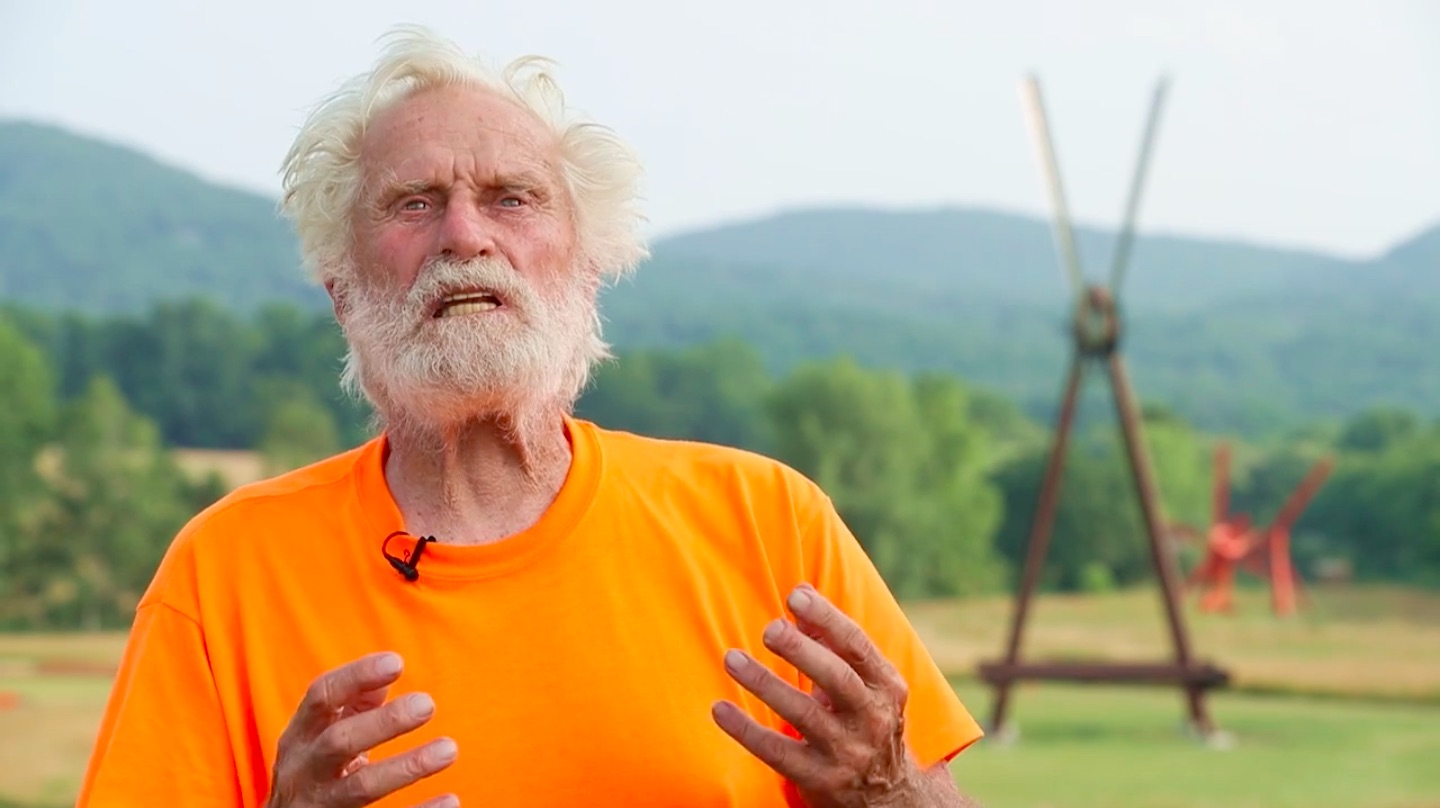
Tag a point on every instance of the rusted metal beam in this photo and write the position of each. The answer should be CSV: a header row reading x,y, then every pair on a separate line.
x,y
1041,528
1161,552
1196,674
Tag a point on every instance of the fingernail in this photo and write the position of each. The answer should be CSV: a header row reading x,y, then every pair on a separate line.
x,y
449,801
799,600
444,750
773,630
419,705
388,665
734,660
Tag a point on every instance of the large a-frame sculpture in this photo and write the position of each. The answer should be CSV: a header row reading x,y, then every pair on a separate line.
x,y
1097,338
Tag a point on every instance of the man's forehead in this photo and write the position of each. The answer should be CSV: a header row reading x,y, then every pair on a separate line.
x,y
448,122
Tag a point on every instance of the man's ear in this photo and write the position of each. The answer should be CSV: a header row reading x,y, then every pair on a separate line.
x,y
337,300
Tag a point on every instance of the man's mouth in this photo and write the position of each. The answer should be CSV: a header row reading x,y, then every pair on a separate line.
x,y
463,303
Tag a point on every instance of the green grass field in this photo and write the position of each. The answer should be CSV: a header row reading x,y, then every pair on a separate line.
x,y
1101,747
1337,707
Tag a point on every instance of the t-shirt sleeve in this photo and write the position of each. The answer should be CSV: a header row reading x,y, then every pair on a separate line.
x,y
162,739
938,725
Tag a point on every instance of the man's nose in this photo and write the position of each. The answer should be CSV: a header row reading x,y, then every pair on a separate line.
x,y
465,232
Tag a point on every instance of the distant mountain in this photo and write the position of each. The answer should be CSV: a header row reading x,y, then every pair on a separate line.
x,y
950,256
1231,335
1421,251
93,227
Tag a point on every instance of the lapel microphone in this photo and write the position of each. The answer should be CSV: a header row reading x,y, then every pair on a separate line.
x,y
408,566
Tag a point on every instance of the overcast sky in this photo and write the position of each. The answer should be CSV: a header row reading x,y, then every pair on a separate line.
x,y
1312,124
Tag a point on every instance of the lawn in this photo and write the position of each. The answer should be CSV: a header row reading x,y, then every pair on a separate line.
x,y
45,740
1337,707
1370,643
1103,747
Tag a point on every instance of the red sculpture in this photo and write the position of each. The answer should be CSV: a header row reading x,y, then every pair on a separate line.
x,y
1234,543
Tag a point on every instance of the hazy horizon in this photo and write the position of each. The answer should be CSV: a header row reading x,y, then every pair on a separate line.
x,y
1295,126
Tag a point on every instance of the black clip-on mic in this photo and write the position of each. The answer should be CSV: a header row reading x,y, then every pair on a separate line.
x,y
406,566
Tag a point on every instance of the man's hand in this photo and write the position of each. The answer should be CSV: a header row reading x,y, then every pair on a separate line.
x,y
852,750
322,758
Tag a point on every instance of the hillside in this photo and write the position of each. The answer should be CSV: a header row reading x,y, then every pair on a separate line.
x,y
151,231
92,227
950,256
1231,335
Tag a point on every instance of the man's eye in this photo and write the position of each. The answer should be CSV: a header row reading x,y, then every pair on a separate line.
x,y
414,204
512,202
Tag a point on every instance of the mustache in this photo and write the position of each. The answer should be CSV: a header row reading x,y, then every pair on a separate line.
x,y
442,276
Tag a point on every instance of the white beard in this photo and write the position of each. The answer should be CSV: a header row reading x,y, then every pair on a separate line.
x,y
520,365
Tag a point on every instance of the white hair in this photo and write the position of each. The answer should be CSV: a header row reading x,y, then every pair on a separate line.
x,y
322,172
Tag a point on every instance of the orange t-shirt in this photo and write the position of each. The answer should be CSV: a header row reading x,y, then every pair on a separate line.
x,y
573,664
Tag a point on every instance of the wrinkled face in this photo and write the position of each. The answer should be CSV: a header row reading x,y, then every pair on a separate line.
x,y
465,296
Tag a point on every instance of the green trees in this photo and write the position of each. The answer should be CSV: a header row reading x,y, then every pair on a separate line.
x,y
1381,509
207,377
905,465
711,392
1099,538
299,432
937,477
27,415
90,498
116,500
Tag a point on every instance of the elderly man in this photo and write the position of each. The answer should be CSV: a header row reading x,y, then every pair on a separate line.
x,y
493,602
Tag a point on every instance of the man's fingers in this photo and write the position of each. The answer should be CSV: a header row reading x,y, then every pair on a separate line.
x,y
340,743
804,713
843,687
365,702
387,776
351,682
356,763
820,618
792,759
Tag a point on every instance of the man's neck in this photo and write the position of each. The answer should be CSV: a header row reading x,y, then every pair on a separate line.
x,y
478,483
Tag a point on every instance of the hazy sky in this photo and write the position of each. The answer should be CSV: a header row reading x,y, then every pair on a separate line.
x,y
1313,124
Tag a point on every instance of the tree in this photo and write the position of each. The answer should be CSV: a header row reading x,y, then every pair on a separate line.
x,y
27,418
961,508
1183,468
904,466
1099,539
116,501
300,431
301,348
1378,429
711,393
188,368
27,414
1381,511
